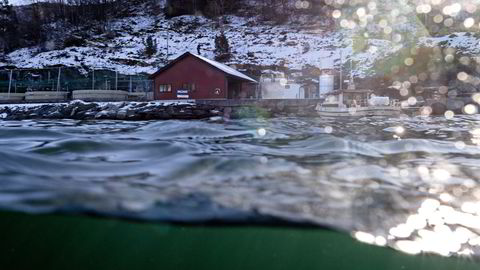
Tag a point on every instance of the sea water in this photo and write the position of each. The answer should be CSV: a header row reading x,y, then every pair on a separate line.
x,y
411,183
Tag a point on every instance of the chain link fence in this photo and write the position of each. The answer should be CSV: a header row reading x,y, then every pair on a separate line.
x,y
68,80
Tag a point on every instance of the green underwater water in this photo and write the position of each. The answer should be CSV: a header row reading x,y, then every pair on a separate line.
x,y
80,242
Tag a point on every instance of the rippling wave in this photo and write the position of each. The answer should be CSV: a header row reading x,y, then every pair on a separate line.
x,y
409,183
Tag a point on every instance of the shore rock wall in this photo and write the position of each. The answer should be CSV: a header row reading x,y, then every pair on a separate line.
x,y
112,111
137,111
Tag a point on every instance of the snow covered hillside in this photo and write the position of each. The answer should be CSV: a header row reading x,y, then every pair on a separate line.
x,y
19,2
302,41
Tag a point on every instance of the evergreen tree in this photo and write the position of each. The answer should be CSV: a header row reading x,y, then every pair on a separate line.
x,y
221,44
150,46
222,48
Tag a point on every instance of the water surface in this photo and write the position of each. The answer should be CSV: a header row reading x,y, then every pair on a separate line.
x,y
409,183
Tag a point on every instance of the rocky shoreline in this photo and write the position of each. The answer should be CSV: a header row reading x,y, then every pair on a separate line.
x,y
134,111
141,111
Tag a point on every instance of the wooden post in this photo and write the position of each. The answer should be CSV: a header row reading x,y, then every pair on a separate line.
x,y
116,80
10,83
93,79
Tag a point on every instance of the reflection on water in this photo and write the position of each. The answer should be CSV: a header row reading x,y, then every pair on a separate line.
x,y
436,228
408,183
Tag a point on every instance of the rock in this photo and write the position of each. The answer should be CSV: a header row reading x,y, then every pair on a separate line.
x,y
438,108
227,112
132,115
121,115
55,115
110,107
459,88
73,111
200,112
140,105
280,106
105,114
86,107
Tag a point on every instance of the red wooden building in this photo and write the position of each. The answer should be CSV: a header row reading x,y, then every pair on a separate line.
x,y
191,76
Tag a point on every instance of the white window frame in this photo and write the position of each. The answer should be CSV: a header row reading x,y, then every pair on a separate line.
x,y
165,88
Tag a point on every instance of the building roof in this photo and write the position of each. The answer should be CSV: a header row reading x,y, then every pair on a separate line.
x,y
224,68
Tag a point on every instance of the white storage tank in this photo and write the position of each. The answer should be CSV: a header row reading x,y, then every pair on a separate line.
x,y
326,84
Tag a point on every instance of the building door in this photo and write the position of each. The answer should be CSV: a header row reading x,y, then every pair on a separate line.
x,y
234,90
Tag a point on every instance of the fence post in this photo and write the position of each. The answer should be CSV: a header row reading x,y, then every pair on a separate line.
x,y
341,71
10,83
116,80
51,80
58,79
93,79
130,85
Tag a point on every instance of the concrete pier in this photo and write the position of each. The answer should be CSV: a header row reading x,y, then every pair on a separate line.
x,y
11,97
46,96
99,95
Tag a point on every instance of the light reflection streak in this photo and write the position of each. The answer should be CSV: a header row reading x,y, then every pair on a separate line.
x,y
444,224
440,229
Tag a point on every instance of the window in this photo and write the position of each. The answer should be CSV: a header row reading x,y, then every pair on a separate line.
x,y
189,87
165,88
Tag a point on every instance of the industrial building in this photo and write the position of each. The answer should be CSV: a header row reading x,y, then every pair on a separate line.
x,y
276,85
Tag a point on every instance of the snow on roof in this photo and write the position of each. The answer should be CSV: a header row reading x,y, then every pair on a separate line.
x,y
225,68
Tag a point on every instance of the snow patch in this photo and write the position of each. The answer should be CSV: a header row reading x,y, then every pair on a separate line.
x,y
21,2
468,42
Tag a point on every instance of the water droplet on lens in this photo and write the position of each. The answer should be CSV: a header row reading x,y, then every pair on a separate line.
x,y
261,132
449,114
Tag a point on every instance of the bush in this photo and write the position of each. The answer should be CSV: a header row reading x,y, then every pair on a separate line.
x,y
223,57
73,41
